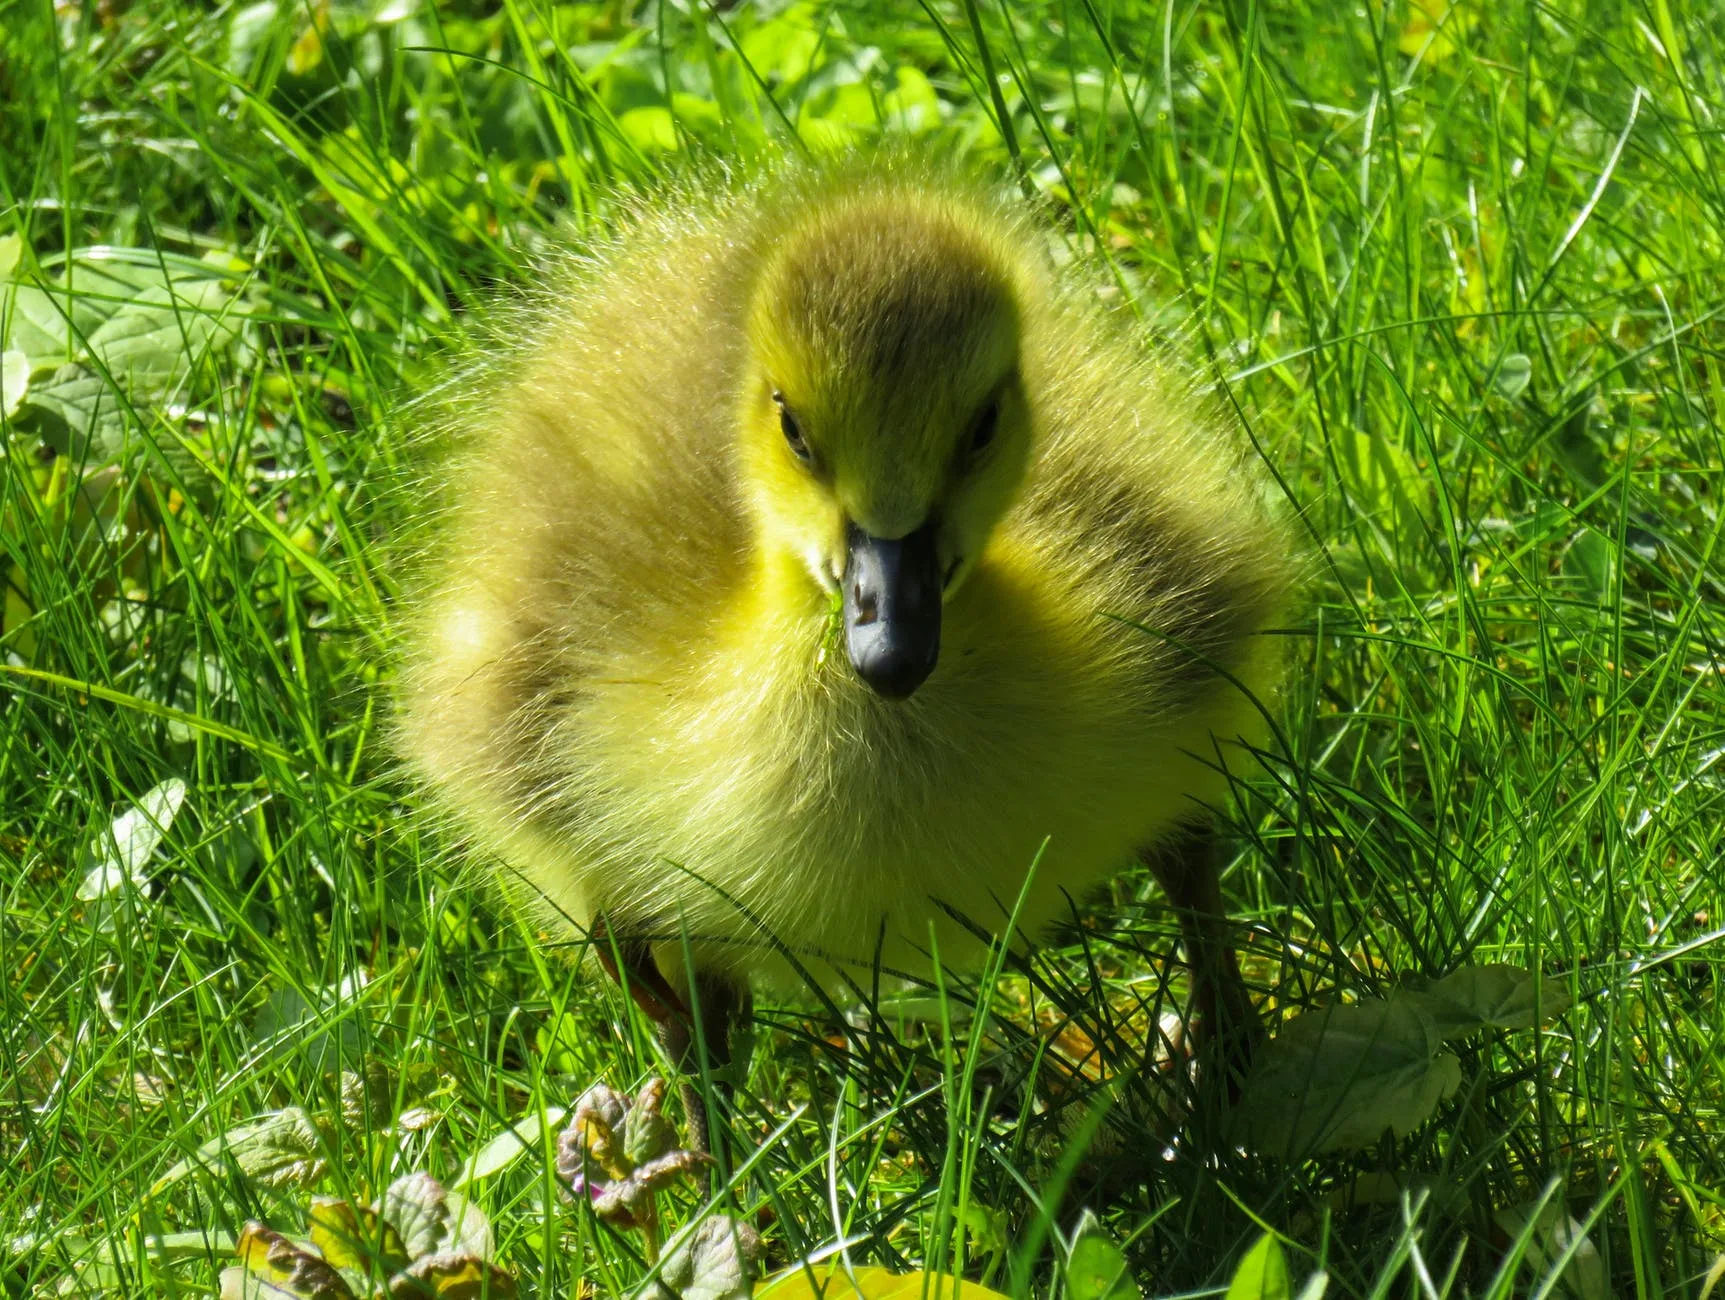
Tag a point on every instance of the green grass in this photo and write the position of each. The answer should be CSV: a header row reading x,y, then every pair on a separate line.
x,y
1464,287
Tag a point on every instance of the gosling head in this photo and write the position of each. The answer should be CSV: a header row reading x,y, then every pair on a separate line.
x,y
884,426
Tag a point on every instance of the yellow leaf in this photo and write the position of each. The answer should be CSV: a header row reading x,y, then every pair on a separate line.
x,y
307,51
282,1268
348,1237
831,1282
1434,28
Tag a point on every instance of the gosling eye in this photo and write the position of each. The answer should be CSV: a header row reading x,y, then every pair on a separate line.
x,y
982,432
788,426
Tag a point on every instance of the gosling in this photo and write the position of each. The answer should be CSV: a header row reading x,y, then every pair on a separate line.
x,y
820,558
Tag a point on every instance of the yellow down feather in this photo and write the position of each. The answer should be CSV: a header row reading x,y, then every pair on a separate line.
x,y
623,677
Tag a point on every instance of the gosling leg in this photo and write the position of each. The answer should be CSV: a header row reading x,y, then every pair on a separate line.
x,y
719,1005
630,964
1189,872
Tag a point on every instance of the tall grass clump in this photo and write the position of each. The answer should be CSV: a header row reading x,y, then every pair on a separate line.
x,y
1459,270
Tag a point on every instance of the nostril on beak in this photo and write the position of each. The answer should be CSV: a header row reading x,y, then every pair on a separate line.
x,y
868,606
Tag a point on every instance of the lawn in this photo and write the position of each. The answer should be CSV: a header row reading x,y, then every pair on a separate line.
x,y
1459,272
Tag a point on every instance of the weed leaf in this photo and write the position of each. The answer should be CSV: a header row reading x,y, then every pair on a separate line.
x,y
508,1146
1096,1267
1551,1235
353,1238
452,1275
1489,997
284,1149
1336,1079
14,380
120,856
1513,376
415,1204
271,1265
716,1261
1262,1274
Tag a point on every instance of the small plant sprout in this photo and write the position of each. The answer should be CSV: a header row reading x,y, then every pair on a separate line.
x,y
617,1154
418,1240
618,1151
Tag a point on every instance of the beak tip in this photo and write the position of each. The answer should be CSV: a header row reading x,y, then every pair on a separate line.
x,y
893,666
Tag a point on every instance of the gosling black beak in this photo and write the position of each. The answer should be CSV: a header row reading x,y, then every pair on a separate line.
x,y
892,608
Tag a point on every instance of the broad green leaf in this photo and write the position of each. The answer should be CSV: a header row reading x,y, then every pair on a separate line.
x,y
34,325
317,1025
1550,1234
1262,1274
1576,445
1383,1187
433,1220
416,1205
11,249
701,116
288,1153
367,1094
281,1150
783,48
14,380
107,1265
354,1238
452,1276
162,331
1097,1269
988,1230
1336,1079
88,416
1434,29
508,1146
236,1283
1592,560
832,1282
716,1260
271,1265
307,51
1494,996
466,1229
103,285
195,1243
912,104
851,105
248,28
1513,375
121,326
121,855
650,129
647,1134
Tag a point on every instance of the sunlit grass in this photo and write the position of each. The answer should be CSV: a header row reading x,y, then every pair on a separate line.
x,y
1458,272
